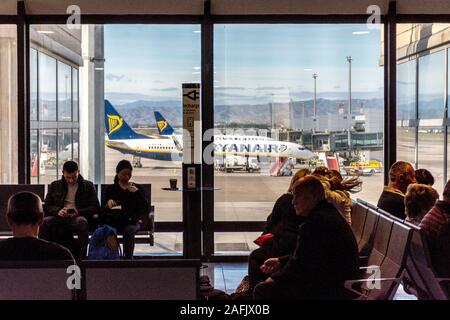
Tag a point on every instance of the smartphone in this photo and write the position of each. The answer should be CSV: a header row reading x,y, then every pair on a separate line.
x,y
70,211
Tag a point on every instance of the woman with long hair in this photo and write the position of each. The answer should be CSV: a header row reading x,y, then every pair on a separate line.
x,y
125,203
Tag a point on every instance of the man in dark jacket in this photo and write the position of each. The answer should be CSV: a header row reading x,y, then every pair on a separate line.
x,y
70,201
325,257
392,200
436,226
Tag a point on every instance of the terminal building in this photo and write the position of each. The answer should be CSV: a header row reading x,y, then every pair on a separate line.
x,y
360,80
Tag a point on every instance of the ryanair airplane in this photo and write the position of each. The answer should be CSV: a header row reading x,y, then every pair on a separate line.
x,y
168,145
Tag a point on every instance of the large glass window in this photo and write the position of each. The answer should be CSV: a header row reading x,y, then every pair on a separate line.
x,y
33,85
406,111
75,100
64,92
54,58
145,67
431,113
293,83
47,87
48,156
65,147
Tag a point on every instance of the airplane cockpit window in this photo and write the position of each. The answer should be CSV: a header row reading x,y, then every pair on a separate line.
x,y
301,148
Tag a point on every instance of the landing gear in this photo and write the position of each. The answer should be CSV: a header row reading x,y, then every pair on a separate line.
x,y
137,162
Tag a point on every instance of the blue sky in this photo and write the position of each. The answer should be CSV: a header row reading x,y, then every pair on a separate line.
x,y
253,63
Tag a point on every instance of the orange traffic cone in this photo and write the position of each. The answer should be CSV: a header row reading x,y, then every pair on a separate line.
x,y
34,172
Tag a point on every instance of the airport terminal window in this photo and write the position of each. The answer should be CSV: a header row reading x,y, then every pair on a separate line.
x,y
406,111
48,156
33,85
75,99
145,67
65,147
52,83
47,87
431,113
264,82
432,85
64,92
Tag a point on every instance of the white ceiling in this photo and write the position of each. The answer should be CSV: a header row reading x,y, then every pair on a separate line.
x,y
229,7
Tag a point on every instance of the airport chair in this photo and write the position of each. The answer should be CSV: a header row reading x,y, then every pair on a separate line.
x,y
367,237
359,214
367,204
31,280
6,191
380,241
382,283
387,214
141,280
147,221
420,273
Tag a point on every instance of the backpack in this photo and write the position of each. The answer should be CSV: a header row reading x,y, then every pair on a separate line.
x,y
104,244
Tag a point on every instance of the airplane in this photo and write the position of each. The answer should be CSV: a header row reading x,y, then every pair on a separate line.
x,y
168,145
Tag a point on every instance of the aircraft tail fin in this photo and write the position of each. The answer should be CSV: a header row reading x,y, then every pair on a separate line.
x,y
164,128
116,127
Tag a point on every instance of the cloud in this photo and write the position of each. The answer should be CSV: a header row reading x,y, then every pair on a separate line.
x,y
114,77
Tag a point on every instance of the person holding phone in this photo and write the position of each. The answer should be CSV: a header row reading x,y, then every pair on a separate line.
x,y
126,202
70,204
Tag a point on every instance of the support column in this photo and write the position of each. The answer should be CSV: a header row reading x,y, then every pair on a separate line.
x,y
390,83
92,110
8,105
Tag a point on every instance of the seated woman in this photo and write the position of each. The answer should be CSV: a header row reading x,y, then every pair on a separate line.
x,y
337,190
283,223
419,199
125,203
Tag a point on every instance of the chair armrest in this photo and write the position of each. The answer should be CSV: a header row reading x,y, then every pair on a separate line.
x,y
349,283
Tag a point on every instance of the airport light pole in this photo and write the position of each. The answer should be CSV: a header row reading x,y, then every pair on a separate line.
x,y
315,75
349,59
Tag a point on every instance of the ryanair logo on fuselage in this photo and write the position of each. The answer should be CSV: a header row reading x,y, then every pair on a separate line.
x,y
162,124
114,123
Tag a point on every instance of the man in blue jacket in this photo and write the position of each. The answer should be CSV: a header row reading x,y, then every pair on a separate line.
x,y
325,257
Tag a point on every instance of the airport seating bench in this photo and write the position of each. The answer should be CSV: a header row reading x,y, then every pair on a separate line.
x,y
101,280
398,249
383,245
146,232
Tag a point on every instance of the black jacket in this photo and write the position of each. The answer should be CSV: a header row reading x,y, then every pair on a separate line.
x,y
86,200
283,223
393,202
326,255
134,205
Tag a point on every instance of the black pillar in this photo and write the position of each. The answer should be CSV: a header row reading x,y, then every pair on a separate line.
x,y
23,105
207,123
390,83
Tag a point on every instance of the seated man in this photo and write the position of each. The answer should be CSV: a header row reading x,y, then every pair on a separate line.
x,y
436,226
325,257
71,200
392,200
25,215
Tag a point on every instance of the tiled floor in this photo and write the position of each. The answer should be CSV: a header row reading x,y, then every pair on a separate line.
x,y
227,276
